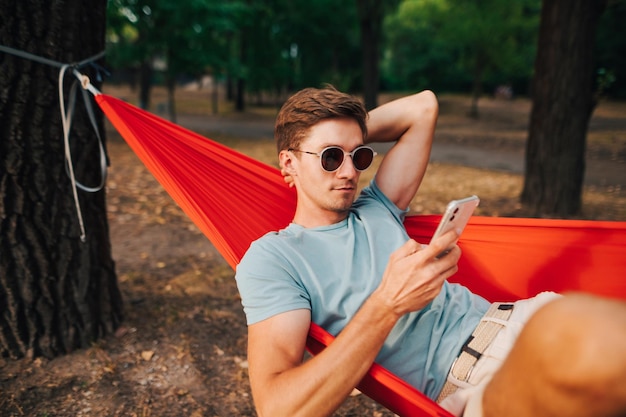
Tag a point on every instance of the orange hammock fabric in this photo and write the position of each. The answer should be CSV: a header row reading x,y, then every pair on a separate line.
x,y
235,199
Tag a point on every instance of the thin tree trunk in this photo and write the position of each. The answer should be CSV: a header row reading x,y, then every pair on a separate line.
x,y
562,105
171,97
370,19
145,84
477,86
214,96
240,90
57,293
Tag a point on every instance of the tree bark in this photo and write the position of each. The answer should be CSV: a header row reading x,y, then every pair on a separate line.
x,y
562,105
57,293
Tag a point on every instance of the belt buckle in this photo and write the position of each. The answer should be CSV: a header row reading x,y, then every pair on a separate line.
x,y
455,379
475,355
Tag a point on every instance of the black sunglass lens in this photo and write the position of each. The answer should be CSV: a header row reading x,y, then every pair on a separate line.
x,y
363,158
332,159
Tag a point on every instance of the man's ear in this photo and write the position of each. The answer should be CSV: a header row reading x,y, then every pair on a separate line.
x,y
286,160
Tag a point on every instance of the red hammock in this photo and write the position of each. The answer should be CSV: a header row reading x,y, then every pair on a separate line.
x,y
235,199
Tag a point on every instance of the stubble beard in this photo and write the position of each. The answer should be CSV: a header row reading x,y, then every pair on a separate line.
x,y
341,205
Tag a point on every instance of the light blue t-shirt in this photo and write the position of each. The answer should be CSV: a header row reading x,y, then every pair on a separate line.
x,y
331,270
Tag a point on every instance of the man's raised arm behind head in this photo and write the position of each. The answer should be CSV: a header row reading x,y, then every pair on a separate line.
x,y
410,121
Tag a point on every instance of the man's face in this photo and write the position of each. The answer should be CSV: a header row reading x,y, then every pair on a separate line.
x,y
319,190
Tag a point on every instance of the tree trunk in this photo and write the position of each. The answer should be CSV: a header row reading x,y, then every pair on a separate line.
x,y
171,99
562,106
370,19
170,82
477,86
57,293
214,96
145,84
240,88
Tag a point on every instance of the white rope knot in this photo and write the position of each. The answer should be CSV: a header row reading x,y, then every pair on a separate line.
x,y
84,81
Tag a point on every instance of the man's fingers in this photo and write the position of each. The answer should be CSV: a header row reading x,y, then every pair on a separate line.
x,y
442,245
409,248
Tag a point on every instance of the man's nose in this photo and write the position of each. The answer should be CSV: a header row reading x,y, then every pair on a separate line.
x,y
347,169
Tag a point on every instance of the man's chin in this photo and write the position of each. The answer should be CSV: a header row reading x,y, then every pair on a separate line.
x,y
343,207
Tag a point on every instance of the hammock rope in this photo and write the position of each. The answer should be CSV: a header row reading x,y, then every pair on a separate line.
x,y
67,117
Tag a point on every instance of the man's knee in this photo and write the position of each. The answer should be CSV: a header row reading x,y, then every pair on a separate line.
x,y
570,359
578,339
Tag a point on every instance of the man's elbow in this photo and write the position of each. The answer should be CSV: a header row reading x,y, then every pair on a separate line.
x,y
270,406
428,104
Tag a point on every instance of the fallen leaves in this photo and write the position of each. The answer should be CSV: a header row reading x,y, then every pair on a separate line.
x,y
147,355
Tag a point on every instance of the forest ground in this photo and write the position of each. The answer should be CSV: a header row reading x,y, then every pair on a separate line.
x,y
181,350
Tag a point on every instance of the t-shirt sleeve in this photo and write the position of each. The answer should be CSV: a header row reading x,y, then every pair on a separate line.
x,y
266,284
372,192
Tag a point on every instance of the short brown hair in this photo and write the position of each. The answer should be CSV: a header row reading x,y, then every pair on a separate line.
x,y
310,106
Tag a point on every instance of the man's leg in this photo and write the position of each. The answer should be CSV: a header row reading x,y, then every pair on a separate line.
x,y
570,360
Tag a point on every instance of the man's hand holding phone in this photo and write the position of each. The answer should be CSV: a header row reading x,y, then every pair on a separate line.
x,y
414,276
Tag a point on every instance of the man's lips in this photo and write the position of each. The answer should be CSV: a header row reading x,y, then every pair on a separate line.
x,y
346,187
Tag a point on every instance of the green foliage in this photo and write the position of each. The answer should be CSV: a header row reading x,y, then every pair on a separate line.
x,y
323,42
416,56
188,37
611,51
271,44
283,45
442,44
303,43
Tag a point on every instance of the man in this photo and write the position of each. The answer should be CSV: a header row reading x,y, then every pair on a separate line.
x,y
350,267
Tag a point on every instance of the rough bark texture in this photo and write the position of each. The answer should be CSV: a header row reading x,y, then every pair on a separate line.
x,y
562,106
57,293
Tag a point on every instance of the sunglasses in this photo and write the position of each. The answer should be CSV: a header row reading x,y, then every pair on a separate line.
x,y
332,158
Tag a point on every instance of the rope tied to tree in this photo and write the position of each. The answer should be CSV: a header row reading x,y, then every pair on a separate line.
x,y
67,115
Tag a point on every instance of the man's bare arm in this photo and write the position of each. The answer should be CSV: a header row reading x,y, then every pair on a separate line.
x,y
282,385
410,122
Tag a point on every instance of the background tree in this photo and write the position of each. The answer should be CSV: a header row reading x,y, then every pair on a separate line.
x,y
271,47
461,45
371,16
611,47
179,39
563,102
259,45
132,29
321,41
57,293
416,57
491,36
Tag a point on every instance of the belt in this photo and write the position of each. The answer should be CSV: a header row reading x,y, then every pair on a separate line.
x,y
475,346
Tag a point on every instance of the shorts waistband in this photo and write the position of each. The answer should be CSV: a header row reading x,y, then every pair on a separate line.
x,y
490,324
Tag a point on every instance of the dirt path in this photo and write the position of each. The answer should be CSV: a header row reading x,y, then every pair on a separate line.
x,y
495,142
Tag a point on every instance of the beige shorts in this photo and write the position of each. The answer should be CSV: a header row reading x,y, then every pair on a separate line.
x,y
467,400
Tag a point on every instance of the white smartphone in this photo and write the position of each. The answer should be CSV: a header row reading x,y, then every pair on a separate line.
x,y
456,216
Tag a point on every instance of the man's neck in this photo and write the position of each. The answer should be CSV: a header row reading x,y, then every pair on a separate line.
x,y
318,218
